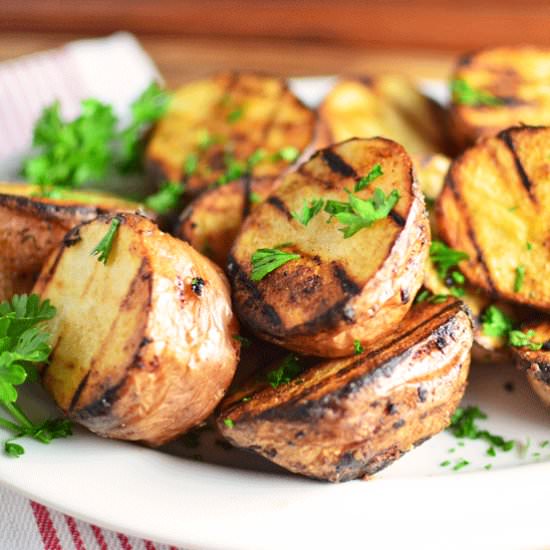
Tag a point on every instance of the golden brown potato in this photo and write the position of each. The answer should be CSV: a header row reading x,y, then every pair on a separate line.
x,y
143,347
30,228
214,127
212,221
536,363
495,207
389,106
339,289
341,419
497,88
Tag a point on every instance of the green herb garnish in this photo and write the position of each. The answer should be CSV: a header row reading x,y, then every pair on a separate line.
x,y
444,258
307,213
520,276
255,198
245,342
287,371
103,249
520,339
229,423
288,154
375,172
445,463
190,164
24,343
495,322
167,198
464,94
460,464
266,260
235,115
358,347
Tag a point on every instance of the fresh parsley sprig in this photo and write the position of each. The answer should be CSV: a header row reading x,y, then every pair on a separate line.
x,y
496,323
444,258
308,212
287,371
103,248
464,94
24,343
266,260
167,198
374,173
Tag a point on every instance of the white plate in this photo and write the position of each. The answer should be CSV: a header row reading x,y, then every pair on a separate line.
x,y
238,500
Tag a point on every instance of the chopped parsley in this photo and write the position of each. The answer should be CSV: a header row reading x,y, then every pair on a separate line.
x,y
245,342
464,425
375,172
256,157
426,296
266,260
307,213
229,423
464,94
190,164
255,198
488,466
287,371
288,154
520,276
357,214
205,140
462,463
235,115
529,245
24,344
445,463
495,322
197,284
444,258
103,249
166,199
358,347
520,339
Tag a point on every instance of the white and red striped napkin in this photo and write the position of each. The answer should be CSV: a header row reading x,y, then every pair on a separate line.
x,y
115,70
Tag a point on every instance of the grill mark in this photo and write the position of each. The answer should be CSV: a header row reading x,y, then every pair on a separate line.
x,y
135,281
79,390
279,205
397,218
247,186
449,180
101,406
347,284
337,164
527,184
385,368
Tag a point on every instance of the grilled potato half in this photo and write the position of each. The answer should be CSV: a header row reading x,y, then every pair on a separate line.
x,y
339,289
212,221
536,363
390,106
497,88
495,206
143,346
31,226
214,128
342,419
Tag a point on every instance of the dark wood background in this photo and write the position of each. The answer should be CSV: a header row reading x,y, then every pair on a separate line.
x,y
187,38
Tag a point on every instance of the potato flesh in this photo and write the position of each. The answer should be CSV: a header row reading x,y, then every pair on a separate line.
x,y
500,219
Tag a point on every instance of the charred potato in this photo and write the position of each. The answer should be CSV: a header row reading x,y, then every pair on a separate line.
x,y
536,362
497,88
142,347
346,418
212,221
31,226
213,128
339,289
495,206
389,106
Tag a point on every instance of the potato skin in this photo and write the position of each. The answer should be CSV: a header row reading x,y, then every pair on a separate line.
x,y
30,228
347,418
503,223
140,352
340,290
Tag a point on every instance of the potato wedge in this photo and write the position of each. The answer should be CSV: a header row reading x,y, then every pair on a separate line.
x,y
30,228
499,88
143,346
389,106
212,221
340,289
342,419
495,206
536,363
215,125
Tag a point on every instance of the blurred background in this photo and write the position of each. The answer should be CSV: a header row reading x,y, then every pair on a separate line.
x,y
189,38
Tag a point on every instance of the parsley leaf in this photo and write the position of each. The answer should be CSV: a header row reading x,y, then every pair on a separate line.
x,y
103,249
520,276
288,154
464,94
166,198
266,260
519,339
245,342
495,322
308,212
445,257
289,369
235,115
358,347
229,423
375,172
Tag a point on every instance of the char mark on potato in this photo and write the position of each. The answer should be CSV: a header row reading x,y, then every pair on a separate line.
x,y
337,164
103,405
397,218
277,203
347,284
79,390
507,139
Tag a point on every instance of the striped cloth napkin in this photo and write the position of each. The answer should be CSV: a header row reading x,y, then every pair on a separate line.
x,y
115,70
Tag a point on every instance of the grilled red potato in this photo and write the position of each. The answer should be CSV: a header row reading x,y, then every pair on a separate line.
x,y
215,127
497,88
31,227
536,363
342,419
143,346
495,206
212,221
389,106
339,289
